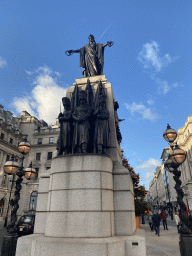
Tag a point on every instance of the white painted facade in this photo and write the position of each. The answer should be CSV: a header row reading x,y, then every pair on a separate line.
x,y
184,140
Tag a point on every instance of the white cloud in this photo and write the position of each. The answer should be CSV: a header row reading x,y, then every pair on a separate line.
x,y
150,102
147,168
151,59
145,112
163,87
44,99
3,62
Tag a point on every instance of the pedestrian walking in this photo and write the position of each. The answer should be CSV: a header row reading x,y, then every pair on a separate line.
x,y
150,221
171,213
156,222
177,220
163,216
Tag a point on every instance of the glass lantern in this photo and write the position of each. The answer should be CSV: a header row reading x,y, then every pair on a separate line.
x,y
24,146
11,166
169,134
178,155
30,172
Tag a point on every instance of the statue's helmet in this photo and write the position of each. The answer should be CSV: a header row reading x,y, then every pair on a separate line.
x,y
102,98
66,101
82,95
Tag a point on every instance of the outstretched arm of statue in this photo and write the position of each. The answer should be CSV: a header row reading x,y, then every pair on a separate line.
x,y
70,52
109,43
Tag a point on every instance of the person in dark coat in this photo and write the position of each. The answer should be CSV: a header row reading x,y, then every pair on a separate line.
x,y
163,216
156,222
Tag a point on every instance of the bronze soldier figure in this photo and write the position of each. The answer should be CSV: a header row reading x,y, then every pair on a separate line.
x,y
65,120
101,135
81,117
91,57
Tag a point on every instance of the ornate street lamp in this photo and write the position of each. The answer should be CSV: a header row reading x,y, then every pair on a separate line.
x,y
169,134
175,159
11,167
24,147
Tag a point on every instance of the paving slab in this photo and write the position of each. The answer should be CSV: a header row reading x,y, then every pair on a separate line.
x,y
167,244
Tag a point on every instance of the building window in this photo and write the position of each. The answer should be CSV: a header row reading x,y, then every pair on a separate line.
x,y
38,156
33,201
54,129
9,116
7,158
2,136
47,168
40,140
11,140
49,156
51,140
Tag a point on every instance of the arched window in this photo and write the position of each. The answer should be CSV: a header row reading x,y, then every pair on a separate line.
x,y
33,201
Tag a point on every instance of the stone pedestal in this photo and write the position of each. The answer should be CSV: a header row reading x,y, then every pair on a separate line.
x,y
85,204
80,200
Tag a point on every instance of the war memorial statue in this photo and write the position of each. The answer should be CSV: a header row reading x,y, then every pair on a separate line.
x,y
85,200
65,138
91,57
81,117
84,128
101,135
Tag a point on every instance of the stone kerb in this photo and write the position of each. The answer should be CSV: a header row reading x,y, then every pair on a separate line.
x,y
80,200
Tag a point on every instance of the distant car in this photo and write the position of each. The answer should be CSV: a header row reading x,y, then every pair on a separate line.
x,y
25,225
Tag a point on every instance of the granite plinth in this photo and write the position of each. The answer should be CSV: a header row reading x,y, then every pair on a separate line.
x,y
39,245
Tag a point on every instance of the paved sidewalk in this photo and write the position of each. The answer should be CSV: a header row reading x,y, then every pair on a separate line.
x,y
167,244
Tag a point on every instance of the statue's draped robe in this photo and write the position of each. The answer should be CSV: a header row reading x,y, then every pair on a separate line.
x,y
101,135
65,129
92,59
82,129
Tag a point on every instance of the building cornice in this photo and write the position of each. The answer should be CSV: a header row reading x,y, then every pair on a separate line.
x,y
6,146
44,145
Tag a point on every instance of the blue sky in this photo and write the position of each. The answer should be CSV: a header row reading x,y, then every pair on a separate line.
x,y
149,65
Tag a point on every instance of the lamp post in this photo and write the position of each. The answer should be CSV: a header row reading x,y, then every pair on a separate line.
x,y
6,217
11,167
175,159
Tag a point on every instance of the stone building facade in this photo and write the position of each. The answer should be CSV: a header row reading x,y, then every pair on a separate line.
x,y
169,183
161,188
156,187
43,140
10,137
184,140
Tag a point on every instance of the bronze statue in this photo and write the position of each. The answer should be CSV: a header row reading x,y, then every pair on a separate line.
x,y
101,135
81,117
91,57
65,120
117,120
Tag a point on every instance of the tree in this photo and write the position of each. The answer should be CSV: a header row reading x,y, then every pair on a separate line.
x,y
141,206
